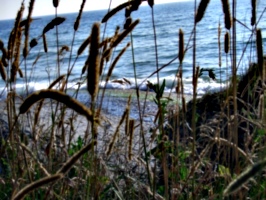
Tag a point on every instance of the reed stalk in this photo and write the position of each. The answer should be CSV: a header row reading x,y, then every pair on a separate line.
x,y
38,152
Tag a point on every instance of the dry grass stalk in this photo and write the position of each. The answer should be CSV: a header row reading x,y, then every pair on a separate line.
x,y
63,48
84,68
231,144
130,141
62,88
93,71
227,15
117,29
38,110
115,62
127,124
71,161
260,52
10,45
105,42
14,33
4,52
219,44
36,160
115,10
44,43
3,59
178,86
126,112
55,22
20,73
76,24
2,71
27,27
1,45
14,69
122,35
261,107
107,58
84,45
107,53
244,177
24,22
58,96
127,115
56,81
184,104
36,184
226,42
111,145
201,10
36,59
253,12
181,46
102,59
15,64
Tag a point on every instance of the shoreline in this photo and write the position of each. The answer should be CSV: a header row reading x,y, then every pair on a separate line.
x,y
114,103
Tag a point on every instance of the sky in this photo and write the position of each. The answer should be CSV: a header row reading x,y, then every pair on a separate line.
x,y
9,8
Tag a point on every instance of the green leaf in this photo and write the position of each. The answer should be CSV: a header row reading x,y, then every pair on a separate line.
x,y
162,88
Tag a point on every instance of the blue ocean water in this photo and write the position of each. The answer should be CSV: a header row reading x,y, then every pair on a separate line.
x,y
169,18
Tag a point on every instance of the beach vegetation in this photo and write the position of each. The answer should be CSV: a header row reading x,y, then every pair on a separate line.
x,y
55,146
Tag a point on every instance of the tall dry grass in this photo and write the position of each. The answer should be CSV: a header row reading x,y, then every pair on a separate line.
x,y
195,150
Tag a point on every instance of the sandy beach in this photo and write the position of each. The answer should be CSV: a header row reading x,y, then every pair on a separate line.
x,y
75,125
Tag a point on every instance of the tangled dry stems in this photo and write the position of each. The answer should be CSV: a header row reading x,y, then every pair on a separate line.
x,y
116,163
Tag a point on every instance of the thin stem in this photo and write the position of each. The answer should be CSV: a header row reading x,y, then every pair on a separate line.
x,y
193,123
140,113
234,71
161,129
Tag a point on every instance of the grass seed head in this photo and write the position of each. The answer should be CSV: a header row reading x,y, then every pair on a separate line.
x,y
227,15
84,45
55,3
58,96
244,177
259,51
201,10
115,10
253,12
226,42
77,22
93,70
2,71
36,184
55,22
151,3
115,61
181,46
33,43
122,35
20,73
27,27
44,43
